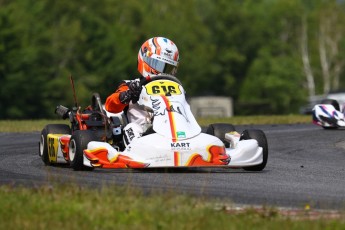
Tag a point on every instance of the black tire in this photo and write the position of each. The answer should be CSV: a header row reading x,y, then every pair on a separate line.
x,y
48,129
77,144
260,136
331,102
219,130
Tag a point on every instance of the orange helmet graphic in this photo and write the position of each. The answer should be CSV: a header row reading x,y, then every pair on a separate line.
x,y
158,55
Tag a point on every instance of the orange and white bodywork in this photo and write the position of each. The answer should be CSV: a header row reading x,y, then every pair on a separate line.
x,y
58,147
177,140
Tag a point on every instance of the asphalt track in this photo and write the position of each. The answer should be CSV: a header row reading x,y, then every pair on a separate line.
x,y
305,166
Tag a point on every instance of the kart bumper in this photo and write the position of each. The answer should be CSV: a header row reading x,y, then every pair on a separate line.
x,y
246,153
156,151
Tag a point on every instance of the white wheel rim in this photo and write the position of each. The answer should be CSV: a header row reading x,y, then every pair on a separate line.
x,y
41,146
72,150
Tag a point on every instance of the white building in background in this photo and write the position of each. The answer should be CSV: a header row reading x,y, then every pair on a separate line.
x,y
212,106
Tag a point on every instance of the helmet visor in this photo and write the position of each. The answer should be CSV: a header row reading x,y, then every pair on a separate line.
x,y
161,66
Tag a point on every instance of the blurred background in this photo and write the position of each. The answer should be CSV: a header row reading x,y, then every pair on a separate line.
x,y
266,56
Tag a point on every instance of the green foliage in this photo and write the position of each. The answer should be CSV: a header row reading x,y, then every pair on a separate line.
x,y
278,94
249,50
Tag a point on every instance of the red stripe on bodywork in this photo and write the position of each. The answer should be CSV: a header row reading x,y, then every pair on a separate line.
x,y
176,158
171,118
172,129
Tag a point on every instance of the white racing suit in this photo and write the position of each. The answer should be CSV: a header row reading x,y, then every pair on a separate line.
x,y
138,122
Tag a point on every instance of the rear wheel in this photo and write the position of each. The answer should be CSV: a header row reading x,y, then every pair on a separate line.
x,y
219,130
260,137
77,144
48,129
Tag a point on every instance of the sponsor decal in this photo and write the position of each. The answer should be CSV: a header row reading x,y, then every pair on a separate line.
x,y
159,158
180,146
166,60
181,134
168,53
130,133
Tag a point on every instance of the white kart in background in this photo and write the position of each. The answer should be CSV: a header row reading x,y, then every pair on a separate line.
x,y
174,139
328,114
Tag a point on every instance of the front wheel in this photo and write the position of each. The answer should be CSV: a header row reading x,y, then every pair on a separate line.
x,y
219,130
260,137
43,145
77,144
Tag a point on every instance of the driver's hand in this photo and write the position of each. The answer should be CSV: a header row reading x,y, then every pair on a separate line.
x,y
132,94
134,87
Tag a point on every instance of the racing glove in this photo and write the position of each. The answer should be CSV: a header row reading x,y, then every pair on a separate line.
x,y
132,93
125,97
134,87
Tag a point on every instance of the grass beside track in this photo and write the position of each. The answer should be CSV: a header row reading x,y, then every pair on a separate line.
x,y
37,125
73,207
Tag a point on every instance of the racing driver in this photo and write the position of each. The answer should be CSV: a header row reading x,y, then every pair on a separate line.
x,y
157,55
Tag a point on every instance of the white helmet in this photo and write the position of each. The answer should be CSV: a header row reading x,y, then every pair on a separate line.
x,y
158,55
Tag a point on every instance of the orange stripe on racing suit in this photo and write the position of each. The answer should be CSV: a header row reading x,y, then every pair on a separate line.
x,y
113,103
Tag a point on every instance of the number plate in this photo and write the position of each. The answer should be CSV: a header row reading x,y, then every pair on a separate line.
x,y
163,87
53,146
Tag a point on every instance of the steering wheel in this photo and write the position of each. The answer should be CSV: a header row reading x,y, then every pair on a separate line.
x,y
96,103
146,80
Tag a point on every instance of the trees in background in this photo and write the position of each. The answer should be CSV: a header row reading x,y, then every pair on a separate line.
x,y
322,43
274,80
268,55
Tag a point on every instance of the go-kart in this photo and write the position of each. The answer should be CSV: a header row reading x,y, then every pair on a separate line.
x,y
172,139
328,114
